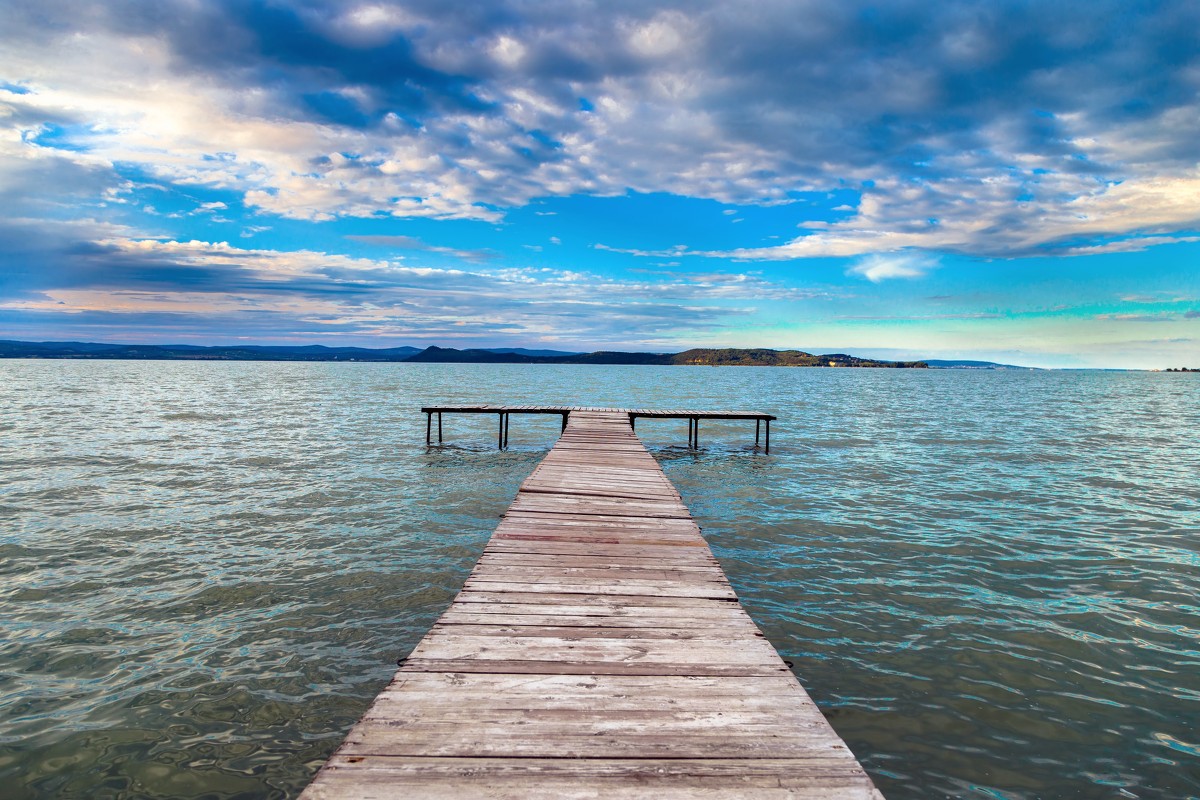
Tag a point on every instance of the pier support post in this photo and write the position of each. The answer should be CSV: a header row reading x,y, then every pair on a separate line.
x,y
506,416
439,428
564,416
428,422
500,434
768,437
757,425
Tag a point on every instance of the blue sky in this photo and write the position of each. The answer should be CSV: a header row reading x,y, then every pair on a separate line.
x,y
1011,181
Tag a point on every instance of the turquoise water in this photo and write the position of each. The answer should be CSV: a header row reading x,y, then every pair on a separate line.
x,y
987,580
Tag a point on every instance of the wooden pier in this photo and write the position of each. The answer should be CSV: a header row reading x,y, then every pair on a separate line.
x,y
596,651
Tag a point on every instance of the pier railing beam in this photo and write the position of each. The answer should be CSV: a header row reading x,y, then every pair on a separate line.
x,y
762,434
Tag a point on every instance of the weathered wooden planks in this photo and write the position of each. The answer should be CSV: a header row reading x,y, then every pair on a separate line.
x,y
596,650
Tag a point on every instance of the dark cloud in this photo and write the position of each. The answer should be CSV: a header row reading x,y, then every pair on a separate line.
x,y
985,116
851,82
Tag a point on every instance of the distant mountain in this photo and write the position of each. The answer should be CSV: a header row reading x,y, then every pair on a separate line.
x,y
440,355
450,355
319,352
191,352
937,363
536,353
617,357
15,349
780,358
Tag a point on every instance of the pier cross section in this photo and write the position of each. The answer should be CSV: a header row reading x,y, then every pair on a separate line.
x,y
761,421
597,650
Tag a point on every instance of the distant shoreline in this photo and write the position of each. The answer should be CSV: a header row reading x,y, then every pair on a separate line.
x,y
750,357
717,357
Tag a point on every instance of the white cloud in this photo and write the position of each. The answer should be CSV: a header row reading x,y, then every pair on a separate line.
x,y
1133,245
94,278
888,266
413,243
670,252
660,36
508,51
371,25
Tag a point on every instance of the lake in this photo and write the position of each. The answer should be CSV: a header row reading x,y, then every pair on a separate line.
x,y
987,580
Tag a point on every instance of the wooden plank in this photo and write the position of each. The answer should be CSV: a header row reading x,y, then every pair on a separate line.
x,y
729,713
557,618
634,609
660,525
534,544
443,645
672,630
608,601
623,587
683,668
809,777
615,741
494,559
437,686
525,572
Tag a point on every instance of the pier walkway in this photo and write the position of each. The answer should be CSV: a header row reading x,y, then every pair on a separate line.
x,y
596,651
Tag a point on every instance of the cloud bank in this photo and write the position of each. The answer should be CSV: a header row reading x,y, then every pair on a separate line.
x,y
986,128
94,280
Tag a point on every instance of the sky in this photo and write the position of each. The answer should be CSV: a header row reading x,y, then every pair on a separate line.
x,y
1008,181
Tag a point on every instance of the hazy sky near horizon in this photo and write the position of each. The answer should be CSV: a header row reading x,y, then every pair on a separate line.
x,y
1015,181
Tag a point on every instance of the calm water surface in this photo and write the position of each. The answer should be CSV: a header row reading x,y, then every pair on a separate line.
x,y
987,580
